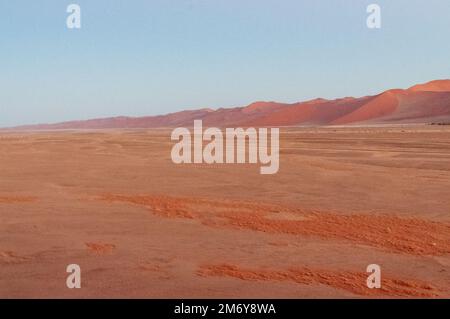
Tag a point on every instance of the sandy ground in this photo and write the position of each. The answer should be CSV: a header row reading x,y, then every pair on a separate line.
x,y
140,226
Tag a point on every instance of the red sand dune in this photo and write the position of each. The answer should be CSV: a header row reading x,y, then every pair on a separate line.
x,y
423,103
319,112
433,86
346,280
381,105
262,107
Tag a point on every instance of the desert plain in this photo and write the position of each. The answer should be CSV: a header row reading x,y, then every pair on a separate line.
x,y
140,226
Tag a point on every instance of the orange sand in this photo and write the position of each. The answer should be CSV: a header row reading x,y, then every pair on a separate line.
x,y
16,199
140,226
405,235
346,280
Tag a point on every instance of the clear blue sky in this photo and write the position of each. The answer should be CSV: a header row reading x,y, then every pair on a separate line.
x,y
146,57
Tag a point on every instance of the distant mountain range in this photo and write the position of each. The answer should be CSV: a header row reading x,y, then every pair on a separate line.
x,y
423,103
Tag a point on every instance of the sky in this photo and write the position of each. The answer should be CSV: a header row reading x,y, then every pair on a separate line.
x,y
148,57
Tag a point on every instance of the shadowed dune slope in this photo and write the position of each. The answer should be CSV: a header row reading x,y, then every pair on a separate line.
x,y
379,106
